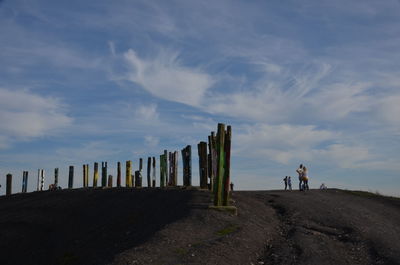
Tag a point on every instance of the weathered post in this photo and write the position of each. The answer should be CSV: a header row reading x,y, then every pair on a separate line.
x,y
153,178
187,165
148,172
95,174
202,151
24,181
110,181
119,174
103,174
128,175
162,171
84,176
221,164
41,179
138,174
38,181
87,175
166,167
212,160
176,160
8,184
227,151
71,177
56,178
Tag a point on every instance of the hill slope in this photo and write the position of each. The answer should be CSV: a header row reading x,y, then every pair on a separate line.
x,y
174,226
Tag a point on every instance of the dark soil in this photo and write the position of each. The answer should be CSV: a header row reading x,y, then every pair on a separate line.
x,y
175,226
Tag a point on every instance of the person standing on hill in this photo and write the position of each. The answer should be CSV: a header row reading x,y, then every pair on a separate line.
x,y
289,181
300,172
305,178
285,180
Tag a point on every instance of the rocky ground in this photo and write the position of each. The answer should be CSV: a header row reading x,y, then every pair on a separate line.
x,y
175,226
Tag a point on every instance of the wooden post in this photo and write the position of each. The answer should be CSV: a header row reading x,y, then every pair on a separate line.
x,y
56,178
24,181
87,175
187,165
162,171
166,167
38,181
95,174
148,172
119,174
41,179
153,178
110,181
221,163
128,174
103,174
8,184
227,147
84,176
71,177
202,151
214,164
170,169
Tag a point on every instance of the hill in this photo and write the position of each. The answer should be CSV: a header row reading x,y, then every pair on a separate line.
x,y
175,226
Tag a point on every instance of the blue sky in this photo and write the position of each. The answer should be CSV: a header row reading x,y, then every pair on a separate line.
x,y
313,82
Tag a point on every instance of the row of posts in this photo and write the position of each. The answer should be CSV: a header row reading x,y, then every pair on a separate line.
x,y
168,176
214,169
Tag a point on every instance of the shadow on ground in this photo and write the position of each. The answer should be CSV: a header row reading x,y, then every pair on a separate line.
x,y
84,226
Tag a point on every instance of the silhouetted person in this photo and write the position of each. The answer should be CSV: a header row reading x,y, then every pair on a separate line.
x,y
285,180
231,186
289,181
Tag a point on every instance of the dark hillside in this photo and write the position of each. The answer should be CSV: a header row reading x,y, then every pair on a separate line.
x,y
175,226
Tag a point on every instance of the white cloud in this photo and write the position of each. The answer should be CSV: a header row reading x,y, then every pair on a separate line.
x,y
24,115
166,78
151,141
147,113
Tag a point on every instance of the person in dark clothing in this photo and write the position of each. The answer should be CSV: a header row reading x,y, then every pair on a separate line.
x,y
300,172
285,180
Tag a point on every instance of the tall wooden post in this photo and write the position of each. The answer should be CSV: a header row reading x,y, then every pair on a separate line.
x,y
170,169
138,174
187,165
84,176
110,181
38,181
148,172
103,174
162,171
8,184
221,163
71,177
41,179
153,178
119,174
203,168
95,174
128,175
24,181
56,178
87,175
227,151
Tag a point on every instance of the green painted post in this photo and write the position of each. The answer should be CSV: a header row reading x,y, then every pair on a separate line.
x,y
71,177
8,184
95,174
227,151
56,178
221,164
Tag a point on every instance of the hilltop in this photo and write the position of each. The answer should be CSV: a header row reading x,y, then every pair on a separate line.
x,y
175,226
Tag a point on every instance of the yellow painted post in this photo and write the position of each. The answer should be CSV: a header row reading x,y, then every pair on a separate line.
x,y
95,174
128,177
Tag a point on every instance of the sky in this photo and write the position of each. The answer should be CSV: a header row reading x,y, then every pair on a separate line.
x,y
314,82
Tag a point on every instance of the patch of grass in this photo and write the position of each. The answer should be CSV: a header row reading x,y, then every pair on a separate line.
x,y
227,230
68,258
181,251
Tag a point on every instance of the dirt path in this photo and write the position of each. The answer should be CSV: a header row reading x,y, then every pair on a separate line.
x,y
175,226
